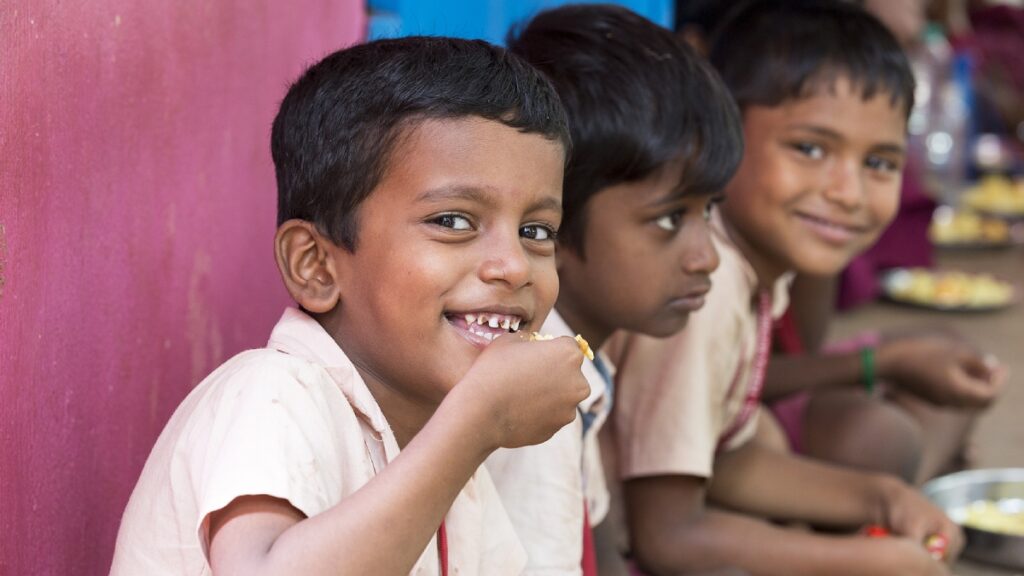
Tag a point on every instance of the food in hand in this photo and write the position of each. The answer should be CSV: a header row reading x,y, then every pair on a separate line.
x,y
936,544
580,341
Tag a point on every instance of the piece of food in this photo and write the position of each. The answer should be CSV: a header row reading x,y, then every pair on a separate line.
x,y
580,341
936,544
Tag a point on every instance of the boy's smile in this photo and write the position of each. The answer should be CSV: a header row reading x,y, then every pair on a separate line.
x,y
647,259
455,247
819,181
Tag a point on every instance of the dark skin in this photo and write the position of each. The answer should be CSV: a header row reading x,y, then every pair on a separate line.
x,y
818,183
454,228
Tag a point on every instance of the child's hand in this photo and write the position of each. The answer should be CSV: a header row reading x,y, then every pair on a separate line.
x,y
907,513
941,369
904,557
530,389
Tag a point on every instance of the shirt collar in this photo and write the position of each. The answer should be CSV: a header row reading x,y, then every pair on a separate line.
x,y
299,335
780,290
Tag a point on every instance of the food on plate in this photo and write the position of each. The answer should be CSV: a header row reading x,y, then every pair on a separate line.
x,y
1006,517
951,290
996,194
951,227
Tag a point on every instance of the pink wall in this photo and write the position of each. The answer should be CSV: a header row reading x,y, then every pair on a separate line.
x,y
137,207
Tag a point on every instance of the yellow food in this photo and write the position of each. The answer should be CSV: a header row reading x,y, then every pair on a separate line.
x,y
998,194
991,517
965,227
580,341
949,289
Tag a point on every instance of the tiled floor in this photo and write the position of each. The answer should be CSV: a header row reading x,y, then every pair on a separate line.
x,y
999,436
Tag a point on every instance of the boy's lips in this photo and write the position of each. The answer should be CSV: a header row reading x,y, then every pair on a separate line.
x,y
830,230
691,301
480,327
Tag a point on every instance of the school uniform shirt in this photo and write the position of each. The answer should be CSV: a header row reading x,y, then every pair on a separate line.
x,y
544,487
293,421
680,399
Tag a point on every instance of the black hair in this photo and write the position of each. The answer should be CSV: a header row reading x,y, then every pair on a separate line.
x,y
703,14
340,121
772,51
636,97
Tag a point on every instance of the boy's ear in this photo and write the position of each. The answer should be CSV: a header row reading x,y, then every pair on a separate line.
x,y
305,259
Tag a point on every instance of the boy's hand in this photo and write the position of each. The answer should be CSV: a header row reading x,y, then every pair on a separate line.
x,y
904,557
530,389
907,513
941,369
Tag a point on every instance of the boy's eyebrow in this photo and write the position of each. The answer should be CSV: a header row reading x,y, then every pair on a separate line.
x,y
480,196
891,147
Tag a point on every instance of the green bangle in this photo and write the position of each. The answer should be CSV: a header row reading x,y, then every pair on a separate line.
x,y
867,366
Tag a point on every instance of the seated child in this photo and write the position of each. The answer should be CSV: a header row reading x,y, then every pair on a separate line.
x,y
419,185
824,90
655,137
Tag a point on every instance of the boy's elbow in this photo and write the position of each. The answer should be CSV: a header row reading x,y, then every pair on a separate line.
x,y
670,549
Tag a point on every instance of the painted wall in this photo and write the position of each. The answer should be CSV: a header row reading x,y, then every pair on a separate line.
x,y
137,206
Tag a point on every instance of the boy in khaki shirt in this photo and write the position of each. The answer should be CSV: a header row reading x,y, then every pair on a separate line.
x,y
420,184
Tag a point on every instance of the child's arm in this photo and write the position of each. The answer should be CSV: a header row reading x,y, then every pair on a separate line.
x,y
939,368
672,532
517,393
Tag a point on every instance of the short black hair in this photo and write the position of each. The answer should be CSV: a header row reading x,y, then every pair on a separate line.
x,y
340,121
773,51
637,97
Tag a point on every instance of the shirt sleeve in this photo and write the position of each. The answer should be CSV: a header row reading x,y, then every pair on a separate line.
x,y
670,394
268,433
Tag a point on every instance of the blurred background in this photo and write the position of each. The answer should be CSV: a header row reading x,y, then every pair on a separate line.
x,y
137,210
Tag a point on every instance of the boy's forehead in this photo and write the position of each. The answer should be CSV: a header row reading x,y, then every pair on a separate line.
x,y
473,159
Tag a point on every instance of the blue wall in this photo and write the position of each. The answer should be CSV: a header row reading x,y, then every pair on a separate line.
x,y
486,19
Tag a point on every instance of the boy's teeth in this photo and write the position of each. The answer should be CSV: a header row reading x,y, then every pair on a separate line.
x,y
481,319
515,324
470,318
493,322
506,323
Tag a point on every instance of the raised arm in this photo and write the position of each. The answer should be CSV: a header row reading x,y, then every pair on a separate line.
x,y
505,400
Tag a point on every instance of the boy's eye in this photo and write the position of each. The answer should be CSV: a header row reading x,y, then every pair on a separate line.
x,y
670,222
809,149
881,164
709,208
538,232
453,221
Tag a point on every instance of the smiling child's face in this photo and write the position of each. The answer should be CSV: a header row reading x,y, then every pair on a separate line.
x,y
455,246
819,180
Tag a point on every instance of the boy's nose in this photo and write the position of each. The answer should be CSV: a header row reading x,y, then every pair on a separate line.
x,y
505,260
700,256
845,186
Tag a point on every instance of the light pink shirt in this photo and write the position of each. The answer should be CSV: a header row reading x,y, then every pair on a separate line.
x,y
294,421
674,396
543,487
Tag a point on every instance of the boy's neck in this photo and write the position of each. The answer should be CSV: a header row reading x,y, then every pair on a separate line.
x,y
405,416
596,333
767,271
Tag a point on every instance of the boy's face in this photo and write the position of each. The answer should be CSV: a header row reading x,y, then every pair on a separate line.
x,y
647,258
819,180
459,228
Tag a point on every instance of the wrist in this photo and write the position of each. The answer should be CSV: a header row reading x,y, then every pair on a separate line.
x,y
473,420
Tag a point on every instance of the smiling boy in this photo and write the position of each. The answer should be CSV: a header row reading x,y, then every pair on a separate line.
x,y
419,185
825,92
655,137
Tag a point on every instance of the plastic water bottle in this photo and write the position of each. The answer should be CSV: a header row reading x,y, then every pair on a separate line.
x,y
940,121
